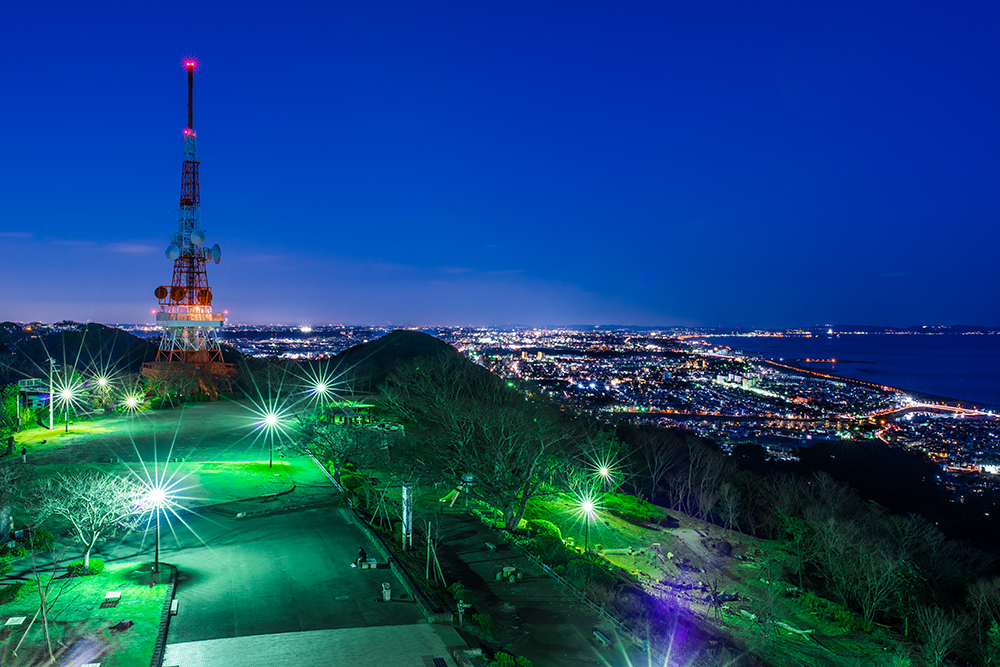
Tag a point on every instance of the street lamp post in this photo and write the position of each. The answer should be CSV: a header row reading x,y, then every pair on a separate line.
x,y
156,556
271,420
52,395
156,497
67,397
588,510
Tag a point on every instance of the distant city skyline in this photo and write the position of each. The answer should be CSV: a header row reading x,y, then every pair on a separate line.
x,y
563,164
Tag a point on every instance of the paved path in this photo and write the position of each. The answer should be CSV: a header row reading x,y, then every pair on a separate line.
x,y
275,588
281,573
535,617
225,430
387,646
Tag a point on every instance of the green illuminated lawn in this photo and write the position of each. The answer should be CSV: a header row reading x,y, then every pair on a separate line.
x,y
78,623
205,482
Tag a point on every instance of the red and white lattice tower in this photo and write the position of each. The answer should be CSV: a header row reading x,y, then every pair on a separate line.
x,y
189,359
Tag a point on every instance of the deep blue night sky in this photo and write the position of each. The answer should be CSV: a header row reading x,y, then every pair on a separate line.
x,y
519,162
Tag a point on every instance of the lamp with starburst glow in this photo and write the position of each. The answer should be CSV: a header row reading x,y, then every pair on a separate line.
x,y
587,507
66,396
157,498
271,423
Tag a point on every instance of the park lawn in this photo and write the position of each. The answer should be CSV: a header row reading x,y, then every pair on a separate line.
x,y
200,483
77,621
606,530
213,482
57,437
194,484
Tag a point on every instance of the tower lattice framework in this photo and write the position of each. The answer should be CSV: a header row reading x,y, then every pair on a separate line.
x,y
189,359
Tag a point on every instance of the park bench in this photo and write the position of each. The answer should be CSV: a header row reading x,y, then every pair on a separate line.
x,y
173,607
369,564
111,599
600,637
491,546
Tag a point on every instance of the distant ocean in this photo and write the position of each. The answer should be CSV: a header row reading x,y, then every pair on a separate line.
x,y
953,366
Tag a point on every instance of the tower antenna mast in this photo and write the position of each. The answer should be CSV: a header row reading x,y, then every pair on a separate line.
x,y
189,360
190,64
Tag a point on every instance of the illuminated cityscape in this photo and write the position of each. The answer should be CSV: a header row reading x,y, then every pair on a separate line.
x,y
677,378
548,335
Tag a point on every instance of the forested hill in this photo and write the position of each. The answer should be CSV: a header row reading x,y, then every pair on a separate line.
x,y
369,364
26,349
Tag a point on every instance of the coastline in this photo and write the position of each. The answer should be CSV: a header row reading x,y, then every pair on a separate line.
x,y
922,397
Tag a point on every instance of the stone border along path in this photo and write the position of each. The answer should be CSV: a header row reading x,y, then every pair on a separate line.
x,y
161,638
384,646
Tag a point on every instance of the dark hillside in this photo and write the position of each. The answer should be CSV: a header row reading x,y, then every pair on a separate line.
x,y
893,477
24,352
370,363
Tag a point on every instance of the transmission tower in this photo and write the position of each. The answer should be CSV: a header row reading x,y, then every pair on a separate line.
x,y
189,359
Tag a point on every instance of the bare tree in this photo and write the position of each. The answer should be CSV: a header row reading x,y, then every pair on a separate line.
x,y
339,443
14,481
467,421
729,506
658,451
695,481
877,575
984,600
97,505
940,631
835,545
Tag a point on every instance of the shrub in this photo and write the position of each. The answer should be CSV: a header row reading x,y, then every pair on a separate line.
x,y
460,592
630,507
39,539
541,527
551,550
11,592
21,589
5,565
484,621
836,613
77,569
351,482
585,572
503,659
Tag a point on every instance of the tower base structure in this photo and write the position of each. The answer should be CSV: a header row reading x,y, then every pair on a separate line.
x,y
192,379
189,360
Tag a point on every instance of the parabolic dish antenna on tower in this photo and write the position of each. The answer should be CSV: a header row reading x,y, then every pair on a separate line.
x,y
216,253
172,252
197,237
